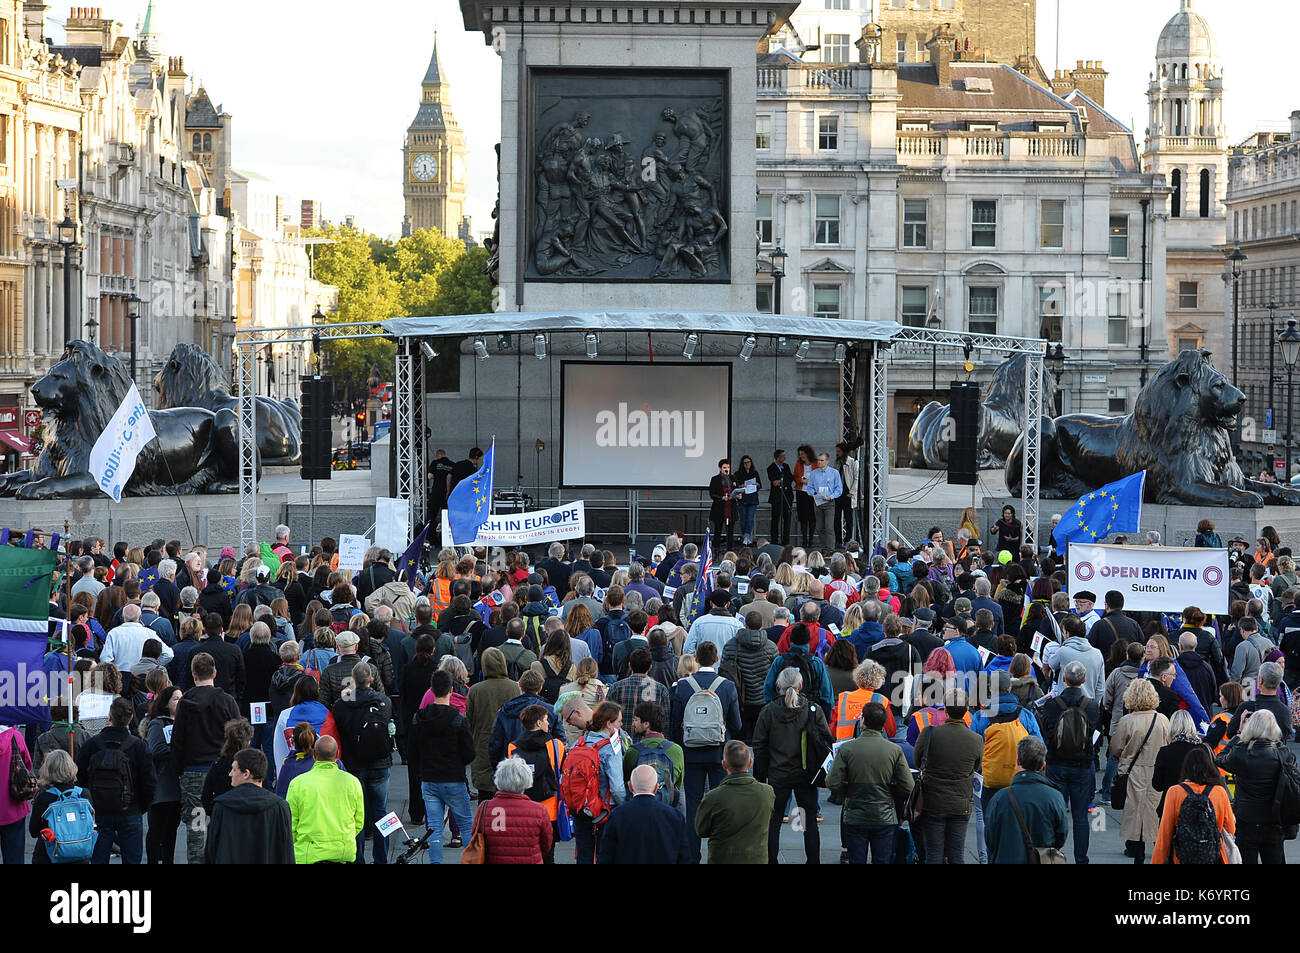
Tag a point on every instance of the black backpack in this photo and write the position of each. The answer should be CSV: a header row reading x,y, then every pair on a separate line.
x,y
512,663
545,783
533,640
1073,731
552,681
1196,836
371,742
612,624
811,683
112,789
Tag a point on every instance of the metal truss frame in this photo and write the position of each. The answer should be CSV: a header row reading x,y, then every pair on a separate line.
x,y
876,492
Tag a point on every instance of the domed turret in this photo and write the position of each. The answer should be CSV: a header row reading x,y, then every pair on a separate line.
x,y
1187,36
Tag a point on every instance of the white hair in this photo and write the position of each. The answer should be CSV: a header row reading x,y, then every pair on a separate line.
x,y
556,551
149,600
260,633
513,776
167,569
189,596
788,684
383,612
1260,725
281,533
130,612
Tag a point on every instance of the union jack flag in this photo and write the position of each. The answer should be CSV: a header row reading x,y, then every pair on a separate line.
x,y
704,581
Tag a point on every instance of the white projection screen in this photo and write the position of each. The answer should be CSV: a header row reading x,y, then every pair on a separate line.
x,y
643,425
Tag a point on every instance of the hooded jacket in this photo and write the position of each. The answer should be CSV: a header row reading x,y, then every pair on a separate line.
x,y
1004,704
1045,816
348,716
443,745
312,712
481,707
746,660
865,636
200,727
282,681
663,665
249,825
779,751
1200,674
1078,649
328,812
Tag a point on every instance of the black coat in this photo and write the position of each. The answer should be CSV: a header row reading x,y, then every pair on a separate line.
x,y
786,489
215,599
143,778
1201,674
231,675
644,831
720,488
374,576
347,716
250,825
441,743
260,663
1255,768
1168,769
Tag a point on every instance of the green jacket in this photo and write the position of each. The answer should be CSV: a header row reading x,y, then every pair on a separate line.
x,y
871,773
952,755
328,814
734,817
1045,816
674,752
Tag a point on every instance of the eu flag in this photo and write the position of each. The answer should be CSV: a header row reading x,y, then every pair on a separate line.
x,y
24,627
470,503
410,561
1115,508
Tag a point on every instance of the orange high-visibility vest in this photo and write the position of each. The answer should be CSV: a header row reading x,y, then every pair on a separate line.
x,y
439,595
848,709
556,747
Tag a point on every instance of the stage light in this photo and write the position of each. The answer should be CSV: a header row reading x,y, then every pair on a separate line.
x,y
503,342
840,353
428,350
688,349
539,346
480,348
801,351
593,345
747,349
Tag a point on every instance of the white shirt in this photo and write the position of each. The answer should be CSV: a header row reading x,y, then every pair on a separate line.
x,y
125,645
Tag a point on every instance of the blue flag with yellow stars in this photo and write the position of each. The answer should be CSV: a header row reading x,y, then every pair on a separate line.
x,y
410,561
1115,508
470,503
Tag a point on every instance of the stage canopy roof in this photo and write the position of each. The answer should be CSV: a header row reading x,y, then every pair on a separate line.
x,y
702,322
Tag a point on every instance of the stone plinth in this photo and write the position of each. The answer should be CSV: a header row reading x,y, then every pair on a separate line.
x,y
212,520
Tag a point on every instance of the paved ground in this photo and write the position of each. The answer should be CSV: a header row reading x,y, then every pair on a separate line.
x,y
1105,844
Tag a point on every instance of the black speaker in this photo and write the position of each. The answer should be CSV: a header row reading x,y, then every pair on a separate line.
x,y
317,427
963,437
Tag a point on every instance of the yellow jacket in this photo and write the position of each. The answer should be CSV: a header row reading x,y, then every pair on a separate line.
x,y
328,814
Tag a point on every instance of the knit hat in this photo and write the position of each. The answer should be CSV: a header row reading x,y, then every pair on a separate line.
x,y
535,594
346,640
800,635
659,553
227,552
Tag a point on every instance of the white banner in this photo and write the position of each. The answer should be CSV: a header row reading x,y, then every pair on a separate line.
x,y
1153,578
352,551
392,529
527,529
112,459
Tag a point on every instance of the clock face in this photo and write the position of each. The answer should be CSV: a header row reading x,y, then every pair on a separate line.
x,y
425,167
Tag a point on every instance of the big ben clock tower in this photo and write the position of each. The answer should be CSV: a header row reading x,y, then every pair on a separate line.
x,y
433,159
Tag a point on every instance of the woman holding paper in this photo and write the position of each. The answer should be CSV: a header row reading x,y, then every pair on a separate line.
x,y
748,480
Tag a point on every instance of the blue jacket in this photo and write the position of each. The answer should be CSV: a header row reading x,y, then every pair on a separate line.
x,y
681,694
824,693
865,636
903,578
643,831
1045,817
966,657
1183,688
999,663
1005,704
984,602
507,726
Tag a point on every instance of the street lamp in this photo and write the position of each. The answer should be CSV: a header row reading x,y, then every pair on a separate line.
x,y
1054,358
1234,268
68,240
934,322
1290,343
778,272
1272,336
133,317
91,324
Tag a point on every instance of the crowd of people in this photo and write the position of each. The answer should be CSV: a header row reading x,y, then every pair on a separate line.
x,y
259,702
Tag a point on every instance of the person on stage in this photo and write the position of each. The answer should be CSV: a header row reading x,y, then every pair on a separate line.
x,y
722,511
749,483
780,481
804,507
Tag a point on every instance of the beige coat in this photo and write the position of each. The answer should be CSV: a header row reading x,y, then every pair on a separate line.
x,y
1140,821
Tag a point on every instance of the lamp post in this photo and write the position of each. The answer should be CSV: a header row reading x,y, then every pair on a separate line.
x,y
1290,343
133,317
778,272
934,322
91,325
1272,336
1054,358
68,241
1234,265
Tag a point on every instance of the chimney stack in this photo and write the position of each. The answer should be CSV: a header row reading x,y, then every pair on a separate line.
x,y
941,48
1295,126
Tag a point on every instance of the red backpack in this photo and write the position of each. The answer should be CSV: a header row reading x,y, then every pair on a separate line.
x,y
580,781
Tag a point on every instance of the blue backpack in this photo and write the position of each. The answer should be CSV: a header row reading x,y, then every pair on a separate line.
x,y
657,757
72,820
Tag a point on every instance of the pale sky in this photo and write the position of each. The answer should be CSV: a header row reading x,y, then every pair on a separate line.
x,y
322,92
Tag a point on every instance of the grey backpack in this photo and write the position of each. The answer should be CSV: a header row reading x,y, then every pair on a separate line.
x,y
704,723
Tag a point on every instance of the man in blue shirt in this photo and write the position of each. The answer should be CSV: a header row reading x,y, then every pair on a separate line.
x,y
825,486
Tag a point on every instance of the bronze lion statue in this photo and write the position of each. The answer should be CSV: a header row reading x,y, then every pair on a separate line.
x,y
191,378
197,451
1002,419
1180,432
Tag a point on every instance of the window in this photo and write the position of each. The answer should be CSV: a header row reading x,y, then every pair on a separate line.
x,y
828,220
1205,193
923,4
1117,324
914,223
898,4
837,4
1049,311
914,307
922,54
902,49
983,314
1272,219
828,133
835,48
763,219
762,132
984,224
1176,200
826,301
1117,400
945,4
763,299
1053,227
1119,236
198,142
1188,295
